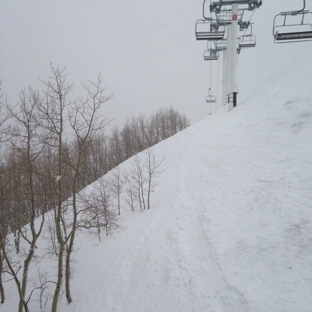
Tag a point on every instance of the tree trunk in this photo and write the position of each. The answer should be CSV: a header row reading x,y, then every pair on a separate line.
x,y
58,214
61,243
1,284
12,271
71,242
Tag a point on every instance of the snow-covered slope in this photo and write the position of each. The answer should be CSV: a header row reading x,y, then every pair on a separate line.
x,y
230,227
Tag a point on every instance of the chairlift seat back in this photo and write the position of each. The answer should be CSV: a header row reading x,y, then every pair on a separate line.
x,y
209,35
221,45
211,55
210,99
248,41
203,31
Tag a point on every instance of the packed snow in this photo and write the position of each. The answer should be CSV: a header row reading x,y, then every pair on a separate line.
x,y
230,226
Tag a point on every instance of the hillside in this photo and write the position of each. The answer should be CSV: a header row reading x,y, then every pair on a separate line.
x,y
230,225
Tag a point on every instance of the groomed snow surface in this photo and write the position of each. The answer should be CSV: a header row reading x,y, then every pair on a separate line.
x,y
230,227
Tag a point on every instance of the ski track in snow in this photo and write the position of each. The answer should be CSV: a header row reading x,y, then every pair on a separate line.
x,y
195,255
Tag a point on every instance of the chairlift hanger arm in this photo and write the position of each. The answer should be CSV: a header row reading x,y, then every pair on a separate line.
x,y
224,16
296,12
304,4
243,25
204,16
252,4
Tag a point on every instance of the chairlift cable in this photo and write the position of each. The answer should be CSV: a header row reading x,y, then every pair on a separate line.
x,y
210,61
217,94
304,5
210,83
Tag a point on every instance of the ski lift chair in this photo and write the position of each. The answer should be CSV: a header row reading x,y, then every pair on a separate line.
x,y
211,55
293,26
210,98
221,45
209,30
247,41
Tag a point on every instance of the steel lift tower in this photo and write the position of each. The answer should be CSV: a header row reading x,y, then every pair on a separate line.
x,y
228,16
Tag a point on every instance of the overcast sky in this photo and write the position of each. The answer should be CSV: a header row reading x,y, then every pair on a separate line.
x,y
145,50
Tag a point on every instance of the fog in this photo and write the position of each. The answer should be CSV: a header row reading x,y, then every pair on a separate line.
x,y
146,51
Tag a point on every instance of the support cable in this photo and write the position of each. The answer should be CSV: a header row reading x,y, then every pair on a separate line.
x,y
218,77
210,82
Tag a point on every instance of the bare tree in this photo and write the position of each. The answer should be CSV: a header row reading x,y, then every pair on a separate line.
x,y
3,229
126,139
44,167
52,107
1,272
42,286
4,115
116,183
85,122
3,213
116,155
152,168
96,212
13,271
27,143
99,152
131,196
141,179
138,180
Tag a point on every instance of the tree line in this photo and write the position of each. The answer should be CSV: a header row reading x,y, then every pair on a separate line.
x,y
52,147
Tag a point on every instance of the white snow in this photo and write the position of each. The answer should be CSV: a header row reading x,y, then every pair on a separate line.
x,y
230,227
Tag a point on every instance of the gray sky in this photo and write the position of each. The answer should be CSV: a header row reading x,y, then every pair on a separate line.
x,y
145,50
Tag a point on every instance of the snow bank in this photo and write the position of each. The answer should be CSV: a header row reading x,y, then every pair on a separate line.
x,y
230,224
